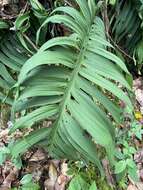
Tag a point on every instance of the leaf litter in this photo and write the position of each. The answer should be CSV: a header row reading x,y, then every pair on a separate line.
x,y
52,174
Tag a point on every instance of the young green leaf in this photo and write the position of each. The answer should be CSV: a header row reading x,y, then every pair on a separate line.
x,y
26,179
93,186
120,166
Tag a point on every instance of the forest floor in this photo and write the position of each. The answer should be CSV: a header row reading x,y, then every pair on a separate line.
x,y
51,174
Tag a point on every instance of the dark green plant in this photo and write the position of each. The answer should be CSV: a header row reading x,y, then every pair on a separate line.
x,y
126,29
125,32
77,183
136,130
17,46
126,164
26,183
12,58
68,81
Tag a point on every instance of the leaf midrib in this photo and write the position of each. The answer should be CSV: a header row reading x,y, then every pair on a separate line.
x,y
70,85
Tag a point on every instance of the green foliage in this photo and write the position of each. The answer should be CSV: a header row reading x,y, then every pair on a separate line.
x,y
67,81
136,130
126,164
27,183
15,48
5,153
3,25
13,56
72,80
26,179
125,19
126,27
22,24
126,149
38,9
77,183
88,173
111,2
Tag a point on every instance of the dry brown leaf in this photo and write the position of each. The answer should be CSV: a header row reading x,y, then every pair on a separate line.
x,y
37,175
9,179
52,172
135,185
139,96
6,2
56,163
61,179
7,168
39,155
50,183
60,187
141,174
36,169
1,175
4,133
137,83
132,187
61,182
64,168
108,173
139,185
138,157
5,188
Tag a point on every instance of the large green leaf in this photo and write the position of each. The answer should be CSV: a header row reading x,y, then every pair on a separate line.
x,y
12,58
126,24
68,81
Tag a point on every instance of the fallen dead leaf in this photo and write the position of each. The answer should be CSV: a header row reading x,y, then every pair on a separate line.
x,y
36,169
138,157
52,172
139,96
56,163
64,168
61,179
141,174
135,185
9,179
5,2
39,155
139,185
137,83
4,133
108,173
60,187
7,168
50,183
132,187
5,188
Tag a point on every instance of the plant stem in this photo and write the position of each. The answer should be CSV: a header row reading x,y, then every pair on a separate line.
x,y
30,42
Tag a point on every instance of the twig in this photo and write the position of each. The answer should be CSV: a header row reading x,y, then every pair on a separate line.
x,y
107,28
108,173
68,3
24,9
119,48
30,42
105,18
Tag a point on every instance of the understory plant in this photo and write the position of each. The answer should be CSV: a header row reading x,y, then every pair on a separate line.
x,y
125,31
75,81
